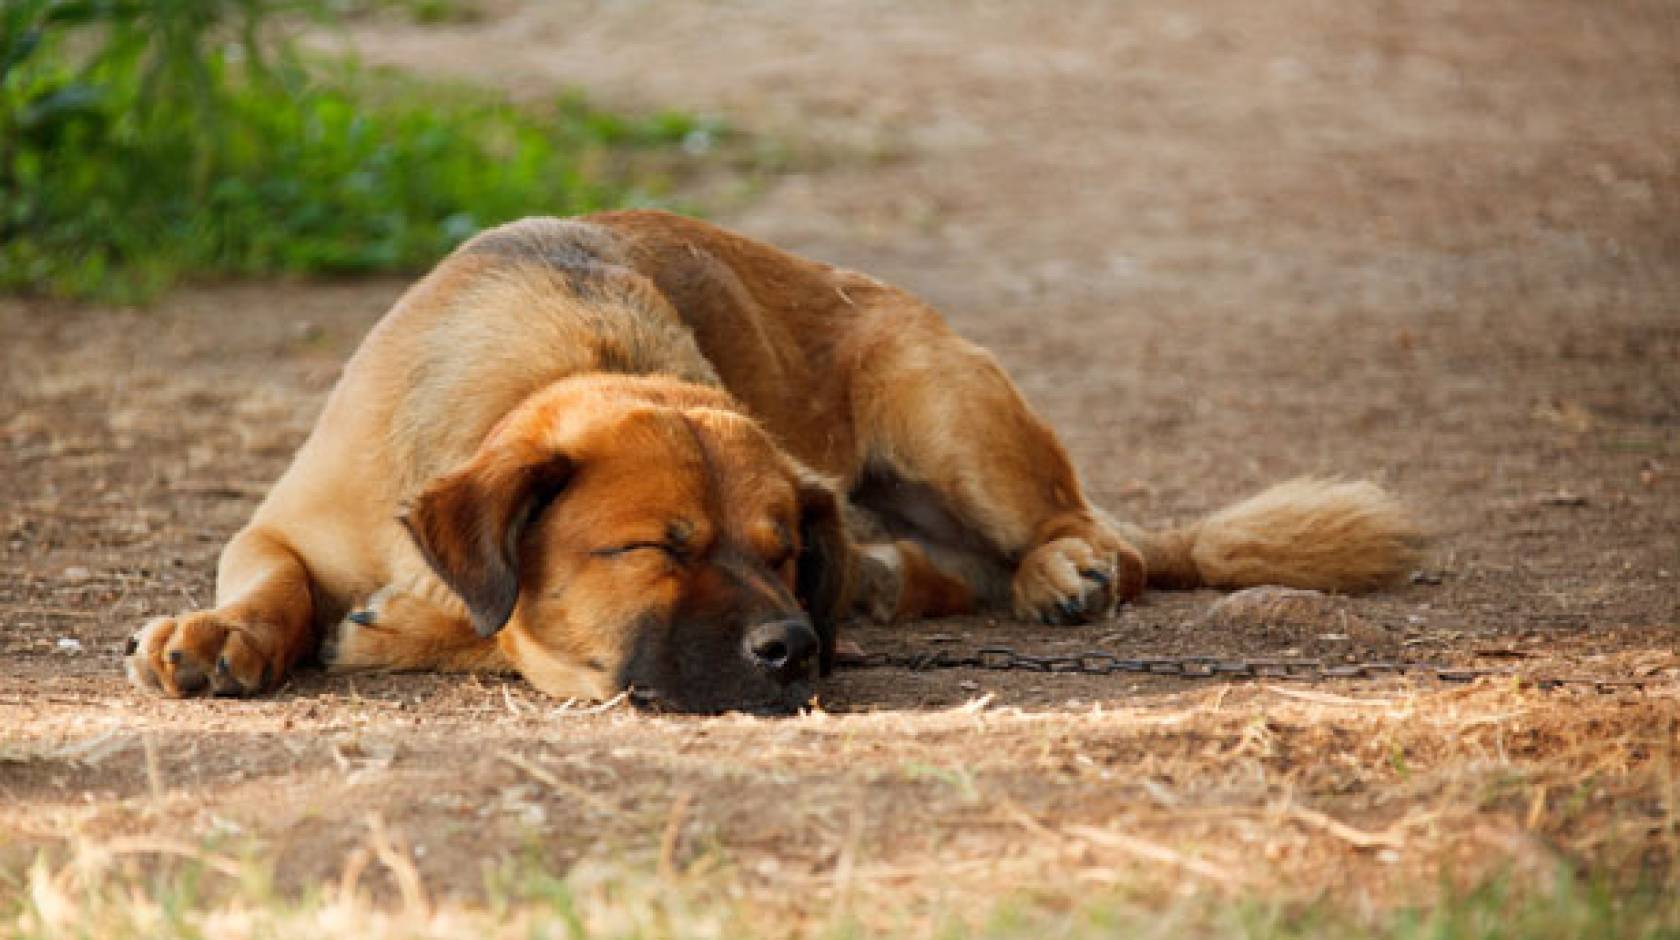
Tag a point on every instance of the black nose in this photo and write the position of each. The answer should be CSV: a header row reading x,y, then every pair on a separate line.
x,y
783,648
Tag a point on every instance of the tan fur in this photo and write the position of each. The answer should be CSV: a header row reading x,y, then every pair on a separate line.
x,y
556,390
1324,535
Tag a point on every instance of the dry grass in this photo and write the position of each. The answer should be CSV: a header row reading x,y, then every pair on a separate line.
x,y
100,892
1224,809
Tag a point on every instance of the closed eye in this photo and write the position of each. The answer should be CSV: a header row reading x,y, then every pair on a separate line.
x,y
629,547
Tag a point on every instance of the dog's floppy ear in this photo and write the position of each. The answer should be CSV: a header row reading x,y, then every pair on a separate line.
x,y
823,580
469,523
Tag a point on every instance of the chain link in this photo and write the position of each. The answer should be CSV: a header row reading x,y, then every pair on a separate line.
x,y
1103,663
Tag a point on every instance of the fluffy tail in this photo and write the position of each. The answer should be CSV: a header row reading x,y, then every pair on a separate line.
x,y
1324,535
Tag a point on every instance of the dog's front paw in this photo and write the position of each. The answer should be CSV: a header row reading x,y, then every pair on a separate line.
x,y
1071,580
201,652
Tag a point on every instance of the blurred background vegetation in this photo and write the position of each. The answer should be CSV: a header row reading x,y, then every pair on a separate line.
x,y
146,140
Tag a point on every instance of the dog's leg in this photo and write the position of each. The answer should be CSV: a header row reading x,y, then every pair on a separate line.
x,y
262,624
407,630
955,441
897,581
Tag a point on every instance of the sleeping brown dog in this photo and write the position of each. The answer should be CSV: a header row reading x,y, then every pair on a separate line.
x,y
634,450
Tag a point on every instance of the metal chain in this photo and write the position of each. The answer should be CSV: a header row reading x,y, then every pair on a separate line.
x,y
1103,663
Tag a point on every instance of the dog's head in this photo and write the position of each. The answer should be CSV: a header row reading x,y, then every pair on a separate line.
x,y
646,534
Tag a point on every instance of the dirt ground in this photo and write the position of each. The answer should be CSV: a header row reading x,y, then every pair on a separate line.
x,y
1219,245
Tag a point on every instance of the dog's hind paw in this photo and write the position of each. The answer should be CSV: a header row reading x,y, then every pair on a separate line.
x,y
402,630
879,583
357,642
1070,580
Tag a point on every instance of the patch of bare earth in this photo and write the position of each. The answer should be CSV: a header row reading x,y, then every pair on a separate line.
x,y
1218,245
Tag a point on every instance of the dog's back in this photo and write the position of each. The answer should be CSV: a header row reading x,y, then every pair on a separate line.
x,y
516,309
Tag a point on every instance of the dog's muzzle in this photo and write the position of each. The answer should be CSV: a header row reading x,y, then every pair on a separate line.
x,y
782,649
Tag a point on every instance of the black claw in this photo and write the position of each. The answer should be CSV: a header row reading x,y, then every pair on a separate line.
x,y
1062,614
1097,575
362,618
131,646
190,682
224,684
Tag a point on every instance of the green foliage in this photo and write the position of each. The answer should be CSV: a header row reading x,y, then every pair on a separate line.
x,y
141,140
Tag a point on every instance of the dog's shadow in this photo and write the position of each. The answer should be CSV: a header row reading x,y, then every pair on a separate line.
x,y
872,685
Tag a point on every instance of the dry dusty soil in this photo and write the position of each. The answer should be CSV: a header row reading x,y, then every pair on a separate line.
x,y
1221,244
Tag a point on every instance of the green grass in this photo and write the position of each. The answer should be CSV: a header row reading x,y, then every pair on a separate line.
x,y
149,140
141,896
